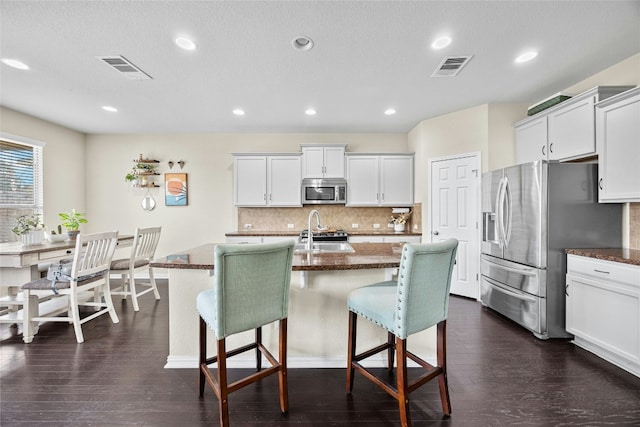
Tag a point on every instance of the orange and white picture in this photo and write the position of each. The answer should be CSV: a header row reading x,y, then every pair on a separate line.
x,y
175,189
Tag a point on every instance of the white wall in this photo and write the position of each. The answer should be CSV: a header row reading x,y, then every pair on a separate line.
x,y
63,164
112,204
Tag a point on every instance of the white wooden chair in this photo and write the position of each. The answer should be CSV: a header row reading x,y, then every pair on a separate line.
x,y
142,252
89,278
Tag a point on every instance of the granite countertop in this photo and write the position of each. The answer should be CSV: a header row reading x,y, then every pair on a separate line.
x,y
366,255
622,255
379,232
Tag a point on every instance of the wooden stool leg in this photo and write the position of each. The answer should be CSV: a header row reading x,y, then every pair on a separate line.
x,y
202,363
258,352
222,382
443,383
351,352
282,374
403,392
391,350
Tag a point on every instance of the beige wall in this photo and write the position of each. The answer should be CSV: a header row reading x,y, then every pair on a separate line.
x,y
112,204
63,164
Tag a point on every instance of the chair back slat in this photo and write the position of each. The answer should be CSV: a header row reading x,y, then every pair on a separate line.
x,y
424,282
93,253
251,285
145,243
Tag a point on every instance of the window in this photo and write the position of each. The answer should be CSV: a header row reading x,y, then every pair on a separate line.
x,y
20,181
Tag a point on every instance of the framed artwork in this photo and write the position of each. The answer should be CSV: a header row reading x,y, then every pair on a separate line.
x,y
175,189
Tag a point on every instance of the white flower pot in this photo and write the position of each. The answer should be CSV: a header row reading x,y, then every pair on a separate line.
x,y
398,228
33,237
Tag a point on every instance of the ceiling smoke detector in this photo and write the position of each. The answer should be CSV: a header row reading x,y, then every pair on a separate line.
x,y
125,67
451,66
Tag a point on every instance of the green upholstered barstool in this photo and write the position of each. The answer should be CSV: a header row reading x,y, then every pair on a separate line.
x,y
251,289
417,301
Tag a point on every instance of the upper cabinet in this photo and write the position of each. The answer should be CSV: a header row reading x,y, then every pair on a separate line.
x,y
618,144
323,161
267,180
380,179
563,132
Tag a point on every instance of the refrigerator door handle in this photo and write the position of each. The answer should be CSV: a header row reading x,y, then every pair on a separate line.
x,y
505,290
500,212
523,271
507,197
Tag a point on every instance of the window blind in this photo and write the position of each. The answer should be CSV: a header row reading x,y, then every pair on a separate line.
x,y
21,189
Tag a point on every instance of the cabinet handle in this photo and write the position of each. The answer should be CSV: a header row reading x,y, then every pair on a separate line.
x,y
551,147
543,152
566,289
600,183
264,197
601,271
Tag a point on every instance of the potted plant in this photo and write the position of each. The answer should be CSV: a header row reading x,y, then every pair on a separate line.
x,y
71,221
400,221
131,177
29,229
57,236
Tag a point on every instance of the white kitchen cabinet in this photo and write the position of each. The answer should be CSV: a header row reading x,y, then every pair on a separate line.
x,y
267,180
531,140
618,144
323,161
366,239
400,238
380,180
603,309
244,239
563,132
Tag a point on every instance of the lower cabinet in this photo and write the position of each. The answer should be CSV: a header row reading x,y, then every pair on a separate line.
x,y
385,239
603,309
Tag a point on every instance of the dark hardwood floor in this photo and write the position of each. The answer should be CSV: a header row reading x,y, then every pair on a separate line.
x,y
499,374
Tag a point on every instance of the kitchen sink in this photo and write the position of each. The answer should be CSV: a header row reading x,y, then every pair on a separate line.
x,y
324,247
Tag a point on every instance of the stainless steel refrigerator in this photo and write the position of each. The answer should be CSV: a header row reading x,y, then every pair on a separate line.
x,y
531,213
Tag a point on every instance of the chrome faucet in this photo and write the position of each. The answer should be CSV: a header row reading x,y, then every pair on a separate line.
x,y
318,225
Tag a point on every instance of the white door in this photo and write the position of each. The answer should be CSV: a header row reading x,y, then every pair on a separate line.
x,y
455,212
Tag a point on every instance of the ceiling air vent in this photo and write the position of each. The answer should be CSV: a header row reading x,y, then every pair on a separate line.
x,y
125,67
451,66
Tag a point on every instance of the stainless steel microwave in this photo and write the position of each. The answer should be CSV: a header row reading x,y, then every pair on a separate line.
x,y
317,191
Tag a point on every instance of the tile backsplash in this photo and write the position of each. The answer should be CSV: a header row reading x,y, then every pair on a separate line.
x,y
634,226
335,217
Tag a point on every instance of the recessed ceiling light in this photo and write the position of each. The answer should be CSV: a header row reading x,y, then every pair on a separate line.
x,y
15,64
185,43
441,42
302,43
390,111
527,56
109,109
310,112
238,112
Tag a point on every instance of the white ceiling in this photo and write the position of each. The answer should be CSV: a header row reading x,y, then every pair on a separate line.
x,y
368,56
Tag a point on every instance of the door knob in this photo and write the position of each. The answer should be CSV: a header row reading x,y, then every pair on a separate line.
x,y
435,233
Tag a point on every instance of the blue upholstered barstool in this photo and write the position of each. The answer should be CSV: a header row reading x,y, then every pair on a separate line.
x,y
417,301
251,289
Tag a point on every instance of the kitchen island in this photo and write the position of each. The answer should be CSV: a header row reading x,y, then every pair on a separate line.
x,y
318,314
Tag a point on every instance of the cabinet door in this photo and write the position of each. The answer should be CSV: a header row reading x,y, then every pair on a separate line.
x,y
618,144
572,130
402,239
334,162
366,239
284,181
312,162
604,314
396,180
250,179
531,141
362,181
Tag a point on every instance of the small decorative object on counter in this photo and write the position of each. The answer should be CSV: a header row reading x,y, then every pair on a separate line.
x,y
71,221
29,229
56,235
400,221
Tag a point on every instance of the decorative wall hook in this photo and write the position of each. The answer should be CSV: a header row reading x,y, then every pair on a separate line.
x,y
181,163
170,163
